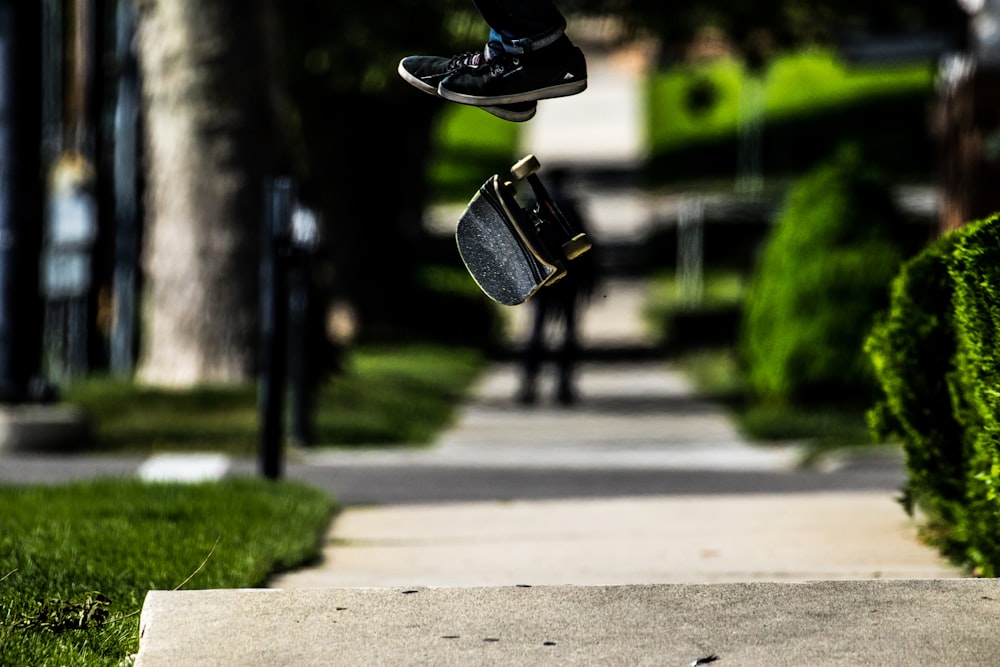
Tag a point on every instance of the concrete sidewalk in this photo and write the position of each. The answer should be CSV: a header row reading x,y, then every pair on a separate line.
x,y
620,541
899,623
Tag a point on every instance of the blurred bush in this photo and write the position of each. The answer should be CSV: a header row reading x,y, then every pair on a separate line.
x,y
812,102
936,358
823,275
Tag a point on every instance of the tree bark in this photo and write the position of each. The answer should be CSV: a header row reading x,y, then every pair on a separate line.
x,y
207,123
967,127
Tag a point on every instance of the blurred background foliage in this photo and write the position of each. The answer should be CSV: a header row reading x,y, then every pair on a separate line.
x,y
811,102
822,277
372,153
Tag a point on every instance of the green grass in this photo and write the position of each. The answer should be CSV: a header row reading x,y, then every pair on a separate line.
x,y
721,288
397,395
470,145
682,323
718,373
76,561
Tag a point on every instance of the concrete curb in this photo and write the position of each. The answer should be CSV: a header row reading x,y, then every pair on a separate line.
x,y
40,428
955,622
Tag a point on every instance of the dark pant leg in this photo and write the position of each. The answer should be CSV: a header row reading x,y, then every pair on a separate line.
x,y
536,22
570,349
535,350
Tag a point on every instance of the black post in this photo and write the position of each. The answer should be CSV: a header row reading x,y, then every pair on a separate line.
x,y
53,35
126,205
302,349
52,81
274,324
19,152
298,358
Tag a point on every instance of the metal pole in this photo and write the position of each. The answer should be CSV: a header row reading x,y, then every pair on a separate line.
x,y
52,81
691,251
305,239
54,318
274,325
126,206
298,335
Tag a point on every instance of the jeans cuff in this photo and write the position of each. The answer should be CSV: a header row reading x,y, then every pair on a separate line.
x,y
527,44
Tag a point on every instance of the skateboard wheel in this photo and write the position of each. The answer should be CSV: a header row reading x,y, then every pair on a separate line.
x,y
525,167
576,246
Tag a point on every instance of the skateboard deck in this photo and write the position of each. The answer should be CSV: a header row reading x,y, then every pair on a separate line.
x,y
512,251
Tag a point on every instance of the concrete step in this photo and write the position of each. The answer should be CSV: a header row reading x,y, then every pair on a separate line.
x,y
874,622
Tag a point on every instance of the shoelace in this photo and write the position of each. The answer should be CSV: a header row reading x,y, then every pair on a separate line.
x,y
467,60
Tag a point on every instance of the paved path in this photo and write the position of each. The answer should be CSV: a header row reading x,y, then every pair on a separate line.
x,y
619,541
898,623
760,518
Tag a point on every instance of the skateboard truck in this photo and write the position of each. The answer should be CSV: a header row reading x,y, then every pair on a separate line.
x,y
512,251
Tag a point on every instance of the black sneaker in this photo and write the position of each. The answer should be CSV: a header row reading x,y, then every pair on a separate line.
x,y
426,73
554,71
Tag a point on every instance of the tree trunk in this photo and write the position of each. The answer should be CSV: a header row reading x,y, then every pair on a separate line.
x,y
206,99
967,125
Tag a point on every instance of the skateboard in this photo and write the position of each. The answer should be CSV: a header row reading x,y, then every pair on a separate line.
x,y
512,251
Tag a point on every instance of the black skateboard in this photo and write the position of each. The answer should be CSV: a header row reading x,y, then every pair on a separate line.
x,y
512,251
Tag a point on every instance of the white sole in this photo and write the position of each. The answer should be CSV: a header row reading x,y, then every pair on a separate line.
x,y
561,90
499,112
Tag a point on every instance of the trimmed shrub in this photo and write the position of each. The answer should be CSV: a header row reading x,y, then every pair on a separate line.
x,y
823,275
912,347
936,356
975,269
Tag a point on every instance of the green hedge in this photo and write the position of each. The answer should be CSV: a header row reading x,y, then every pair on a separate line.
x,y
823,275
935,354
812,102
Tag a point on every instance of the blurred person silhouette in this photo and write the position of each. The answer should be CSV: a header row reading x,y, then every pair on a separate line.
x,y
528,57
556,308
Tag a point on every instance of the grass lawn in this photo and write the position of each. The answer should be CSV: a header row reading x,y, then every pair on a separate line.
x,y
719,289
76,561
397,395
718,374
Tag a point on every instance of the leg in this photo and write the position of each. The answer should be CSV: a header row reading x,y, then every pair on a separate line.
x,y
530,58
522,26
568,353
534,353
516,26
